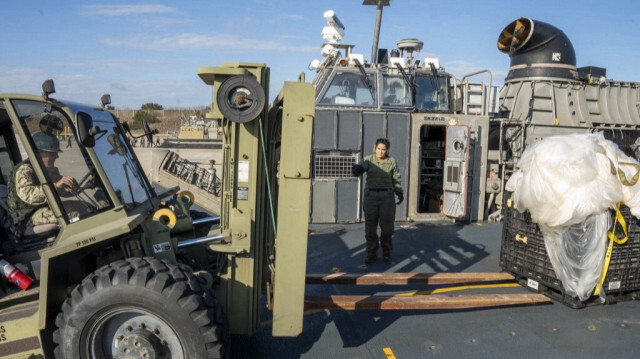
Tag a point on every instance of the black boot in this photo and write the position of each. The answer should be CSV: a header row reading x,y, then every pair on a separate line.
x,y
371,258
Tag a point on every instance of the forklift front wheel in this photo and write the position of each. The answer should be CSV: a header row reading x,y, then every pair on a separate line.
x,y
140,308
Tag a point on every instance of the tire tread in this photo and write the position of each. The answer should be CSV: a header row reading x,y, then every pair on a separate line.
x,y
176,282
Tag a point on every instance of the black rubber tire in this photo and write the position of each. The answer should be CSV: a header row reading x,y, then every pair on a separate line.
x,y
164,293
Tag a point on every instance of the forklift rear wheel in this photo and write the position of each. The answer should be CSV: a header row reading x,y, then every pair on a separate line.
x,y
140,308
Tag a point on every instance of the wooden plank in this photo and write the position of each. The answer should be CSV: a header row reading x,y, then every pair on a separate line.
x,y
405,278
364,302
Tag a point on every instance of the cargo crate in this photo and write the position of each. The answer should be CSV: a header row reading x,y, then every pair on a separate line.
x,y
523,254
625,139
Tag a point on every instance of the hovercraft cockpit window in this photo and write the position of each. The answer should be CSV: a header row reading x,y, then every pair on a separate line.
x,y
395,92
432,93
349,89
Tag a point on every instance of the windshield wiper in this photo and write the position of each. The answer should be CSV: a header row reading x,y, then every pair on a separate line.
x,y
436,82
364,76
411,85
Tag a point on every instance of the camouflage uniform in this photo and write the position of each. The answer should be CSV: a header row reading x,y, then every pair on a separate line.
x,y
26,197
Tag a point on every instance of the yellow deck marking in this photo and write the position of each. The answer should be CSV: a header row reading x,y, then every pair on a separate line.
x,y
462,287
388,353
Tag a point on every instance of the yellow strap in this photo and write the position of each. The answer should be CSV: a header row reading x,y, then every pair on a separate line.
x,y
612,238
623,177
612,167
605,267
623,226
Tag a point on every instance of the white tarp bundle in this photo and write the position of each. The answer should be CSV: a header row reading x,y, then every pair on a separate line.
x,y
568,183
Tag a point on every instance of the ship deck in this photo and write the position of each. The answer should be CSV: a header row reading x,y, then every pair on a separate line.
x,y
550,330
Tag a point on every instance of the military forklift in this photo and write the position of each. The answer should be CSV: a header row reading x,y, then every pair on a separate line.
x,y
131,271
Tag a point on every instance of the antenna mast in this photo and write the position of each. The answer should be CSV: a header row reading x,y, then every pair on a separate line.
x,y
376,30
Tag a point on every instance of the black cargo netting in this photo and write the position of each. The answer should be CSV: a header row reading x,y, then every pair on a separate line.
x,y
628,140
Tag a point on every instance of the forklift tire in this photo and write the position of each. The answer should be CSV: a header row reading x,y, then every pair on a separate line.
x,y
140,308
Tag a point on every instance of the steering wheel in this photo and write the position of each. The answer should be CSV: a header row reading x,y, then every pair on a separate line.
x,y
86,182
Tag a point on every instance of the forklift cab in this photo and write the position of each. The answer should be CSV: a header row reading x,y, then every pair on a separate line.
x,y
59,140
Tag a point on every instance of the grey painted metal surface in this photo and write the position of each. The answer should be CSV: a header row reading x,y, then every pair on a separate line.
x,y
349,125
348,201
323,204
398,132
559,102
455,171
324,129
373,127
354,131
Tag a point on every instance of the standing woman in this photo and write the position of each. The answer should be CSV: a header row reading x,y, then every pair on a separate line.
x,y
383,180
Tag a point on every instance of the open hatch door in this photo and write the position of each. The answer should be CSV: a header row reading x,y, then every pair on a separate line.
x,y
456,159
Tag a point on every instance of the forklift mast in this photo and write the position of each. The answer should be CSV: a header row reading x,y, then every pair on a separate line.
x,y
265,194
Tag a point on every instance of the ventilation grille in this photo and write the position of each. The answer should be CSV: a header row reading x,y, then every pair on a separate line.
x,y
334,165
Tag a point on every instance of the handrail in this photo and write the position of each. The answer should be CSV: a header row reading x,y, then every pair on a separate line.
x,y
484,107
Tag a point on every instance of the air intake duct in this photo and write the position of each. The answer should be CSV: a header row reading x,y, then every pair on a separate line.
x,y
537,49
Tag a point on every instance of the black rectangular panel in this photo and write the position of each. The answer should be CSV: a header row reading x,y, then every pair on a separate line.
x,y
373,127
398,132
324,130
349,130
348,205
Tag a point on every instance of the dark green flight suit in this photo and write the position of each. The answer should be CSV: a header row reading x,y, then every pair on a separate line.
x,y
382,182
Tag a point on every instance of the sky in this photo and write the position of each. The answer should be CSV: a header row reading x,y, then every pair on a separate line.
x,y
142,52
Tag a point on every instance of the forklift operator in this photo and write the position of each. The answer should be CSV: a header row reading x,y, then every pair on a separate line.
x,y
26,200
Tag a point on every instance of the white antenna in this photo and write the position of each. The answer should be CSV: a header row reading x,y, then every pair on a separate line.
x,y
409,45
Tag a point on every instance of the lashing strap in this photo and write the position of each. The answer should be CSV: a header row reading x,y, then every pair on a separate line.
x,y
623,177
619,222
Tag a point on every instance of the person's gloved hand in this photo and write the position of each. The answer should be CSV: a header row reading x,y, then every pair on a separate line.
x,y
357,170
400,197
67,184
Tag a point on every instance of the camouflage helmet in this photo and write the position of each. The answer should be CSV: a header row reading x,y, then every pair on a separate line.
x,y
46,143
